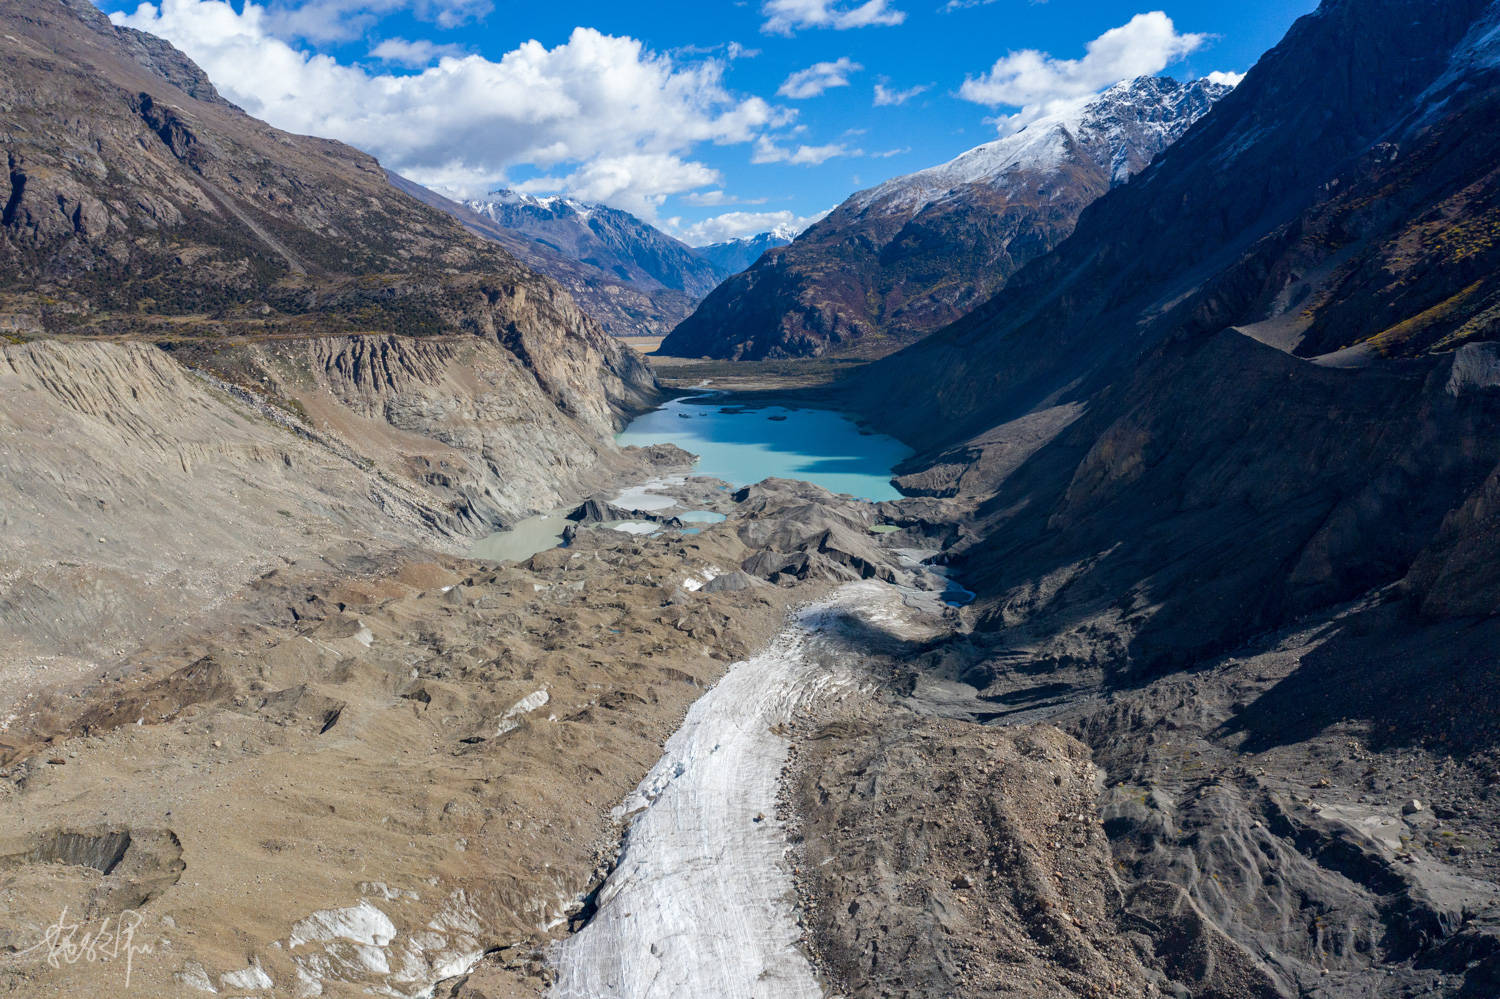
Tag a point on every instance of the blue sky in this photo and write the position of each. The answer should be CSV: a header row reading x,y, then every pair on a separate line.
x,y
710,119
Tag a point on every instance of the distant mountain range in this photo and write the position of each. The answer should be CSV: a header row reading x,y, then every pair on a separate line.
x,y
606,238
735,255
631,277
896,262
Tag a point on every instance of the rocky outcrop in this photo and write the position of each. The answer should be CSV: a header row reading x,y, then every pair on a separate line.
x,y
1012,891
802,531
898,261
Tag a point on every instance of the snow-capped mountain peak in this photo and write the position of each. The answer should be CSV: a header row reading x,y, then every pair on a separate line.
x,y
554,203
734,255
614,241
1120,129
898,261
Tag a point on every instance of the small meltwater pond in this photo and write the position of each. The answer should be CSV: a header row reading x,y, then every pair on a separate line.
x,y
701,517
532,535
744,444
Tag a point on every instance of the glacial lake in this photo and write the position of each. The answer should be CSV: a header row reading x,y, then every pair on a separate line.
x,y
739,444
744,444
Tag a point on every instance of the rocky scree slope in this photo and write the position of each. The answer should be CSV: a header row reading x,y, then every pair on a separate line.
x,y
1231,453
142,487
898,261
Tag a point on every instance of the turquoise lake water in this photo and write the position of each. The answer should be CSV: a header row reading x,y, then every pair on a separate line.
x,y
743,445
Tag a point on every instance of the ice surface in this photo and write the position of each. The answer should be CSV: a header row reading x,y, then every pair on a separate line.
x,y
701,900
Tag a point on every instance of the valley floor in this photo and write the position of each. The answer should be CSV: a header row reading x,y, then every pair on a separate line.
x,y
620,768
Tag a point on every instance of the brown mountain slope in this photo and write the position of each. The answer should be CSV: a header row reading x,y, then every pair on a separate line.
x,y
896,262
1329,161
138,202
1233,452
286,414
1142,408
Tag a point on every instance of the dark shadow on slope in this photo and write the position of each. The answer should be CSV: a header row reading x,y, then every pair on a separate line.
x,y
857,634
1226,491
1436,687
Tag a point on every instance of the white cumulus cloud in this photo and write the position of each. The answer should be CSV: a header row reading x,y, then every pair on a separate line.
x,y
888,97
768,151
343,20
818,77
616,180
714,198
415,54
1039,83
1227,79
785,16
736,225
610,118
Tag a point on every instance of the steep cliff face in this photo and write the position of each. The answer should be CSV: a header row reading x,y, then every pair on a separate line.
x,y
896,262
138,202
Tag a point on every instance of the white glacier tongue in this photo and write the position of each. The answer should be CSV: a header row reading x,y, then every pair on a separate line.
x,y
701,903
